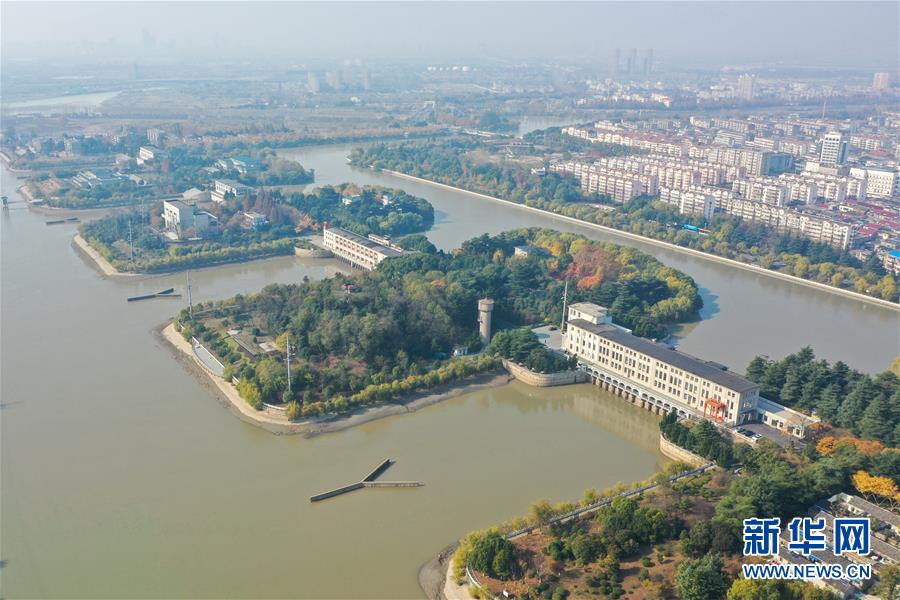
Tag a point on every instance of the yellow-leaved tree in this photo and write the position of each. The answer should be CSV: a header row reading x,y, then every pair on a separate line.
x,y
877,488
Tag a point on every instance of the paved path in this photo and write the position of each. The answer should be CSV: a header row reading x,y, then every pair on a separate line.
x,y
208,360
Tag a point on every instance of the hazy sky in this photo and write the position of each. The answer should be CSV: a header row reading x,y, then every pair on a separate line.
x,y
856,34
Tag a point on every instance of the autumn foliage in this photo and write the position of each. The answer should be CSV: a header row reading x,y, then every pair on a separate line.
x,y
829,444
884,488
592,265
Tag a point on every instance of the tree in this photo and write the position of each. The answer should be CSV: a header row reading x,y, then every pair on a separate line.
x,y
829,403
854,404
494,555
888,583
756,370
754,589
701,579
877,420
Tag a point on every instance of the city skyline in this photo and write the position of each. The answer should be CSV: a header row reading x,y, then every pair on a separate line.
x,y
456,31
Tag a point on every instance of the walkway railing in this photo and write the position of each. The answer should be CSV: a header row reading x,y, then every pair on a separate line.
x,y
584,510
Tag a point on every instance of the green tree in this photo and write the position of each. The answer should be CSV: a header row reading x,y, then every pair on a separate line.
x,y
701,579
855,403
877,420
829,403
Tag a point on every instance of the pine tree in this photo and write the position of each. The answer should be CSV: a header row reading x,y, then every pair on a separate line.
x,y
756,370
876,422
855,404
829,403
792,388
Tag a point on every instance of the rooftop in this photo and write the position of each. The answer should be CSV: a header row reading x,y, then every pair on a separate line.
x,y
364,241
682,361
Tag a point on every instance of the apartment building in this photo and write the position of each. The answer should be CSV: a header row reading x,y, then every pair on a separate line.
x,y
657,374
817,227
799,189
870,143
671,172
761,190
879,183
654,143
757,162
620,185
689,201
357,250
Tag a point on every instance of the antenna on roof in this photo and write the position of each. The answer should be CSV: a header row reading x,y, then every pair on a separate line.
x,y
562,325
190,300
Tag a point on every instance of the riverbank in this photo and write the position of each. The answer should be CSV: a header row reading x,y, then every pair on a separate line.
x,y
661,244
433,575
98,260
227,394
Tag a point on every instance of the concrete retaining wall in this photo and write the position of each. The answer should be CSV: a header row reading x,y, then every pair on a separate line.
x,y
676,452
543,379
312,252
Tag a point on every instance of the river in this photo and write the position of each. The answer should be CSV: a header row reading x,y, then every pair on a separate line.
x,y
122,476
744,313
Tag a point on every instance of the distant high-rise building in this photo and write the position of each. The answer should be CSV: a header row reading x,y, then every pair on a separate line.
x,y
648,61
834,149
312,82
631,63
881,81
333,79
616,61
746,87
366,79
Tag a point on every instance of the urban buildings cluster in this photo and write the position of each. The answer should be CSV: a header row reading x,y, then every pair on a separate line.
x,y
834,182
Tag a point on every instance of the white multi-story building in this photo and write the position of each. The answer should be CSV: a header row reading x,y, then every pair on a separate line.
x,y
834,149
656,374
619,186
689,201
761,190
223,187
881,81
799,189
146,154
817,227
181,217
356,249
879,183
746,87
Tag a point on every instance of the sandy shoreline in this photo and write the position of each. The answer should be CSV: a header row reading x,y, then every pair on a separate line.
x,y
98,260
633,236
227,394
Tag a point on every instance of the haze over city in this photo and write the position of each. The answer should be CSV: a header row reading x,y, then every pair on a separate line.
x,y
755,33
450,300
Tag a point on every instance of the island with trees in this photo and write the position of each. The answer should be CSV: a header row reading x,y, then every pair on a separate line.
x,y
125,180
374,337
679,537
262,224
479,166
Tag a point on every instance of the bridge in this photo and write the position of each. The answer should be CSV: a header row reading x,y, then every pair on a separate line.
x,y
369,481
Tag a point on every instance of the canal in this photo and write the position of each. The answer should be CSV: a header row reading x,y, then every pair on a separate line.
x,y
123,477
744,313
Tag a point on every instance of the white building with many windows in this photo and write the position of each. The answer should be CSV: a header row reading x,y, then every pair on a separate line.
x,y
656,374
357,250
